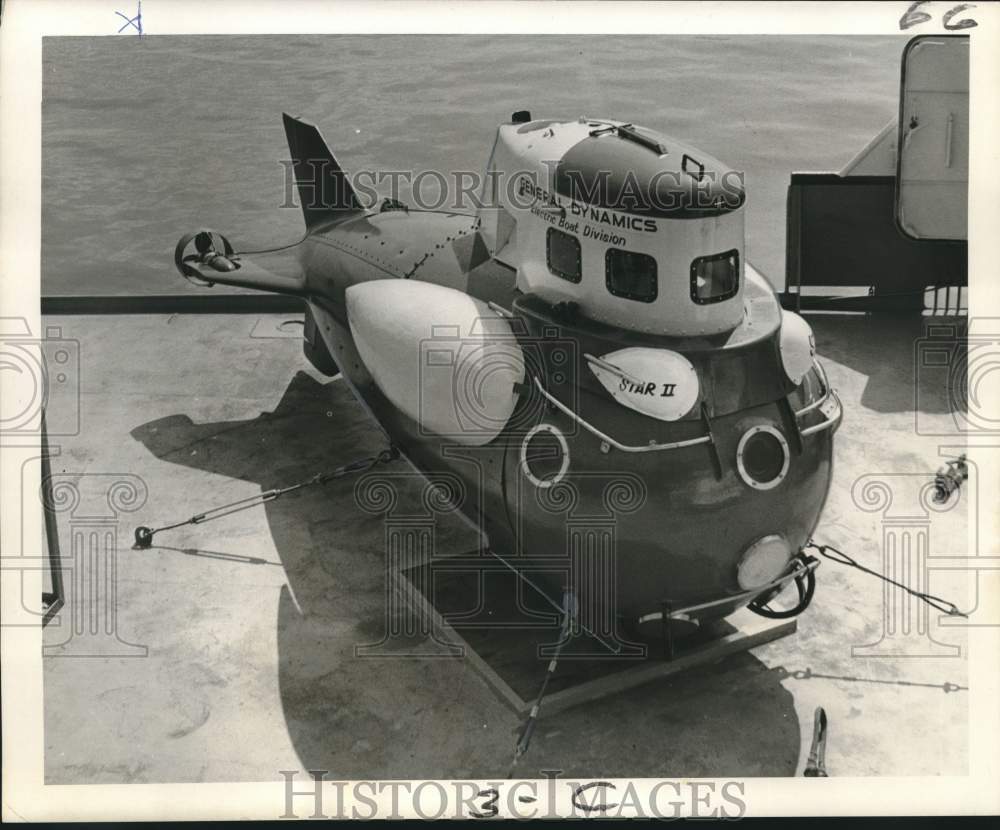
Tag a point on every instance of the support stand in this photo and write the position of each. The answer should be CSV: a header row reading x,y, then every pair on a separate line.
x,y
505,644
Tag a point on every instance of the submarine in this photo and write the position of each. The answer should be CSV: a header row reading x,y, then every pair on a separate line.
x,y
589,344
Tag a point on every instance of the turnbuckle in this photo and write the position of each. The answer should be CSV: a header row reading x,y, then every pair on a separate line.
x,y
816,762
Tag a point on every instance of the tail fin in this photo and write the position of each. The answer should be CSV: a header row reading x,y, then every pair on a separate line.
x,y
323,187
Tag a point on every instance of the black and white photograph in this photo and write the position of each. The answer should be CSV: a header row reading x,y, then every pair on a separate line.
x,y
526,410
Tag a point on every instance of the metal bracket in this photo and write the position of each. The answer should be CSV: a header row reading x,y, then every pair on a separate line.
x,y
800,569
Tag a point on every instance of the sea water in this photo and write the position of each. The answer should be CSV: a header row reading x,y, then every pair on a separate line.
x,y
146,138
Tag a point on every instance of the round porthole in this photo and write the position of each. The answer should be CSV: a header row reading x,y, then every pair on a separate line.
x,y
544,455
762,457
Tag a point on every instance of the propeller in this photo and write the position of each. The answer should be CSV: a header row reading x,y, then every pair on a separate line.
x,y
206,244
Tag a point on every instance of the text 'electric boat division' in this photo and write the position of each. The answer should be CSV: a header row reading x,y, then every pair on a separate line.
x,y
590,343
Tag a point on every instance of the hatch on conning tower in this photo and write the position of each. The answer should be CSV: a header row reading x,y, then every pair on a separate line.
x,y
641,231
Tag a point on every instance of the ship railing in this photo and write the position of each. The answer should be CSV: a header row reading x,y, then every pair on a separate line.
x,y
607,441
829,394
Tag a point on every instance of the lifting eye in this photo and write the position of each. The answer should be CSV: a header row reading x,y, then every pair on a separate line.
x,y
762,457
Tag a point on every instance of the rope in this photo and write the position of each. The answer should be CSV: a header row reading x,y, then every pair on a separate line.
x,y
835,555
613,647
273,250
524,739
808,674
144,535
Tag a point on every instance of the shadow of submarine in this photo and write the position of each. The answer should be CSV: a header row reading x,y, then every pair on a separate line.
x,y
426,717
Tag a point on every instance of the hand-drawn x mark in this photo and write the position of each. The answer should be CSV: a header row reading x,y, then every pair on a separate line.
x,y
134,22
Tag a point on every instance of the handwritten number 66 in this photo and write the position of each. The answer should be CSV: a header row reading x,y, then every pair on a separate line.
x,y
912,17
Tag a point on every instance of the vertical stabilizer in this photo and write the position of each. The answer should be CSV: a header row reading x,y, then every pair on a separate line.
x,y
324,191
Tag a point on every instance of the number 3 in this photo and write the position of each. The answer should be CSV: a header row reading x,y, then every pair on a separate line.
x,y
490,805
